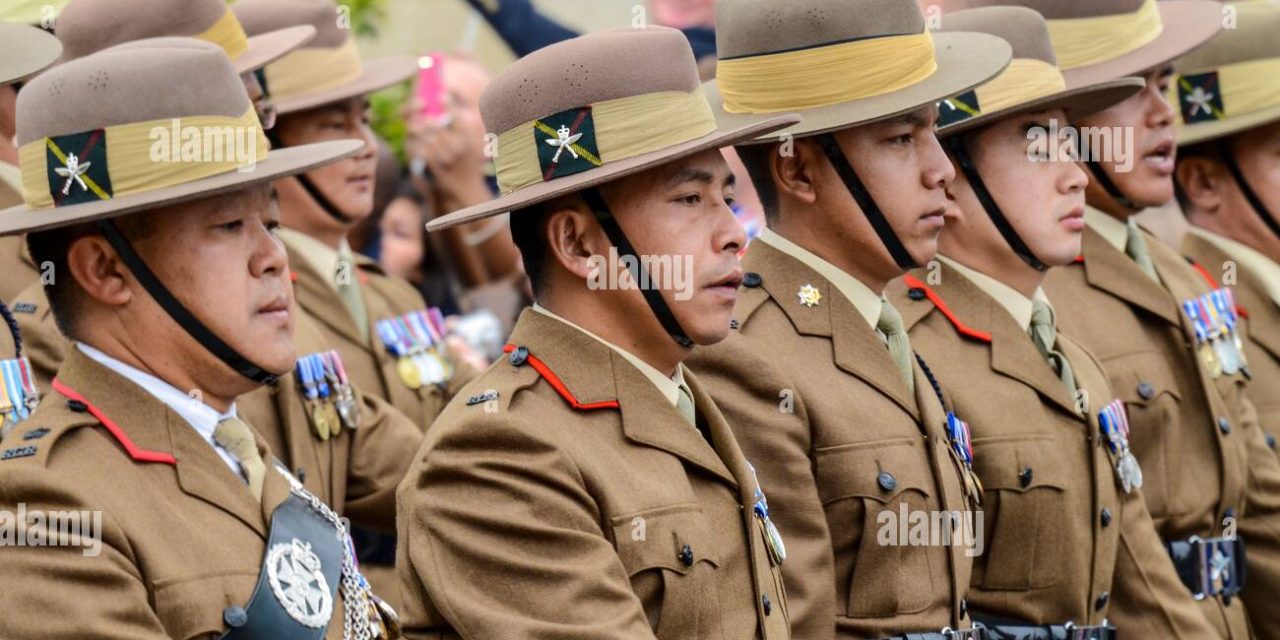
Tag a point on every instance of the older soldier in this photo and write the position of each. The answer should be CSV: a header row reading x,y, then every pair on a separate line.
x,y
589,487
176,293
818,376
1134,303
1065,523
1228,136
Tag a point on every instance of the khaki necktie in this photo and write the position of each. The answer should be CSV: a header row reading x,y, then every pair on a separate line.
x,y
684,404
1135,245
890,327
349,290
1044,334
234,435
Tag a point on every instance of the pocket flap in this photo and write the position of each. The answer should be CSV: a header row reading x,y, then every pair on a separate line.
x,y
1020,465
672,538
880,471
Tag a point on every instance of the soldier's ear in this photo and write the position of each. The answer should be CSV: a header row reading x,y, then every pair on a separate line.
x,y
574,239
1202,181
99,271
794,168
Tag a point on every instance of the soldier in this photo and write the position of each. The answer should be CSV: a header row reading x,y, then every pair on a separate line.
x,y
588,486
1070,547
1194,434
1228,132
818,376
1226,187
349,448
151,509
24,51
86,26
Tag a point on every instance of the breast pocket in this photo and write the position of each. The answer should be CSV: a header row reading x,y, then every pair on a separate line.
x,y
192,608
1153,402
671,558
1025,486
867,490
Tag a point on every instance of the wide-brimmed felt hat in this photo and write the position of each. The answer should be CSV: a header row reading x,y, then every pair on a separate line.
x,y
138,126
1032,82
839,63
329,68
593,109
25,51
1232,84
1100,40
86,26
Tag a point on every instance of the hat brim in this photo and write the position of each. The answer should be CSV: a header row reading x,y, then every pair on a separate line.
x,y
544,191
1203,131
25,51
268,47
965,60
1077,103
278,164
377,74
1187,24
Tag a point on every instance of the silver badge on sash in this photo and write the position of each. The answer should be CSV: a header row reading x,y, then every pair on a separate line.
x,y
293,571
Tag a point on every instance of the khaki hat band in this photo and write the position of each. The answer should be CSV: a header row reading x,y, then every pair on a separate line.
x,y
1081,42
313,69
824,76
31,11
585,138
228,34
1231,90
137,157
1025,80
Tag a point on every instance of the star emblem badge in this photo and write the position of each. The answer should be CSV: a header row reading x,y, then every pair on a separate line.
x,y
809,296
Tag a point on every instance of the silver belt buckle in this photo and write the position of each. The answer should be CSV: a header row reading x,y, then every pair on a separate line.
x,y
978,632
1084,633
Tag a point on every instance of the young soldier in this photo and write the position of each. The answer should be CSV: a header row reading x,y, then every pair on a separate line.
x,y
1070,547
589,487
1228,186
24,51
168,274
348,448
818,376
1193,432
1229,134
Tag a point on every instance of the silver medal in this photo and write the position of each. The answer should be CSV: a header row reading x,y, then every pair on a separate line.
x,y
296,579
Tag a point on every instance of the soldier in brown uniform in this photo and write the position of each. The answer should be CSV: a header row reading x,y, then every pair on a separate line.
x,y
817,375
151,509
1194,434
1070,546
588,486
320,93
1228,189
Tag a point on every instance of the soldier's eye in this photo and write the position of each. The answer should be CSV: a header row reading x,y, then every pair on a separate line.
x,y
694,198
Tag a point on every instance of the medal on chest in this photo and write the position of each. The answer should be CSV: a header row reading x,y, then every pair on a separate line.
x,y
1113,422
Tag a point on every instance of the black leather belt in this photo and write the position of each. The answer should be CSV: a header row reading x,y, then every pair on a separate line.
x,y
977,633
1210,567
1051,632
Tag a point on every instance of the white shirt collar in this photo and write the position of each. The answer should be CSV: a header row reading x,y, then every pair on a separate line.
x,y
202,417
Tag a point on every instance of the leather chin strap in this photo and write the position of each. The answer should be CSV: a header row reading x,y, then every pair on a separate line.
x,y
1100,174
835,155
1228,158
652,295
956,145
180,313
325,204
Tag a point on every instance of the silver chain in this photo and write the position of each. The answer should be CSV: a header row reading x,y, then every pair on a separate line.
x,y
356,606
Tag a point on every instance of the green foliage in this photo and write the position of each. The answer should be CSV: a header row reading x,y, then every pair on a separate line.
x,y
366,16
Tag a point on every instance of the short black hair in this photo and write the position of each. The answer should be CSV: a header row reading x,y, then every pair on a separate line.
x,y
49,251
528,232
758,161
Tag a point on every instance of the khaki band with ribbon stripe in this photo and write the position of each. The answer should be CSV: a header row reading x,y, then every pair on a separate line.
x,y
1228,91
228,34
826,75
1025,80
580,139
136,158
1080,42
314,69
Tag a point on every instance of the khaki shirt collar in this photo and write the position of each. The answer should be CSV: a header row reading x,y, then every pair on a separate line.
x,y
669,387
319,256
1115,232
1254,261
867,302
1012,300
